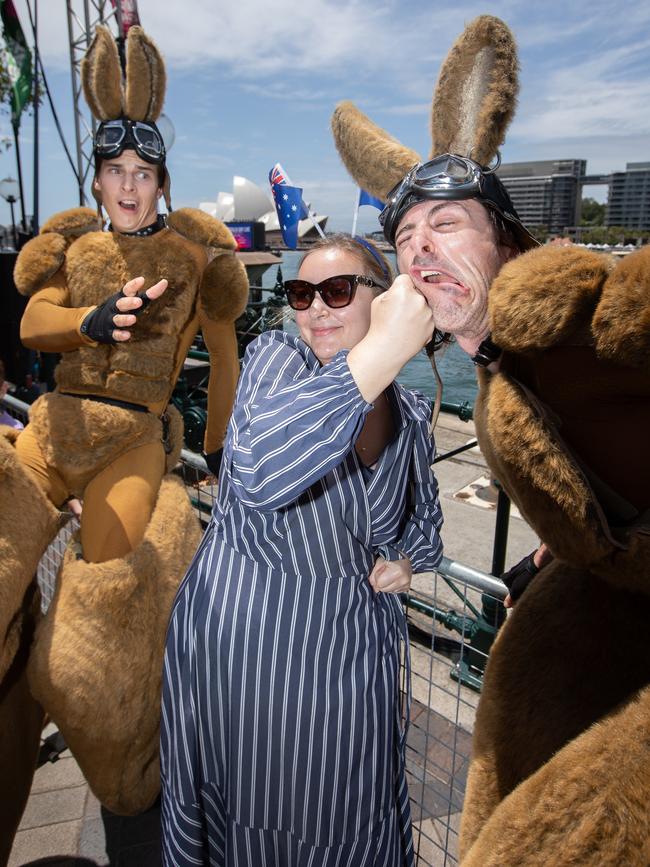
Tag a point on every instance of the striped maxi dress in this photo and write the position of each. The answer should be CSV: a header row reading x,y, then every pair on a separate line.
x,y
282,731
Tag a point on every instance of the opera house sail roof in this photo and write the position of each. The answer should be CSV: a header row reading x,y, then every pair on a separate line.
x,y
248,201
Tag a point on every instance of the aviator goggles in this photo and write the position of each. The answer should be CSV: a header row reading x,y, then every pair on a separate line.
x,y
115,136
451,177
336,291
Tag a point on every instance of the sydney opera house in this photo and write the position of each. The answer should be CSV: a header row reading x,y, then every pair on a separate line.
x,y
248,201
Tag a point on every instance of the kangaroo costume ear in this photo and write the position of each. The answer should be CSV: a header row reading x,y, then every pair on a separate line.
x,y
375,159
476,94
145,77
101,76
473,104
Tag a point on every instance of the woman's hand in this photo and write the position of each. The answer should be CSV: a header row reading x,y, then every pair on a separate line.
x,y
401,319
391,576
401,323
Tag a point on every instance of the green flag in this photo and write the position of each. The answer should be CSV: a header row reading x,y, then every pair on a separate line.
x,y
18,59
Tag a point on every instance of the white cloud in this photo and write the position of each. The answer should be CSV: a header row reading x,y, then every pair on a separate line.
x,y
258,38
585,75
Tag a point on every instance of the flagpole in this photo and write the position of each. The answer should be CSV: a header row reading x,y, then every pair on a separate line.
x,y
20,177
34,23
315,222
356,215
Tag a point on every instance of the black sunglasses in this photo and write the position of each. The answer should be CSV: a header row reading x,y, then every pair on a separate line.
x,y
336,291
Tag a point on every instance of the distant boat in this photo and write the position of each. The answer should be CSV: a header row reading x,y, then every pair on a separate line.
x,y
248,201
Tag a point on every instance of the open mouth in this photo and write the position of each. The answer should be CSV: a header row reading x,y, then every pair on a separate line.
x,y
434,277
439,280
128,205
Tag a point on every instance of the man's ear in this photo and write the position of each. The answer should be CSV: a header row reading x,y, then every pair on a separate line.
x,y
159,192
508,253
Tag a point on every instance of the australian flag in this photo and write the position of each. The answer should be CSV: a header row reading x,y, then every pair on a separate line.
x,y
288,204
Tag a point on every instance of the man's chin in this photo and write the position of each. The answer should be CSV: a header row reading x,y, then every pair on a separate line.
x,y
447,317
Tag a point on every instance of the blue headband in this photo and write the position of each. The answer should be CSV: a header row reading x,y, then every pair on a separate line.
x,y
375,255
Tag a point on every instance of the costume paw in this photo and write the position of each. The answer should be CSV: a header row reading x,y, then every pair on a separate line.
x,y
544,296
621,325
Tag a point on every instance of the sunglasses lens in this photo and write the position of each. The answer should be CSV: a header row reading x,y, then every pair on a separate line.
x,y
299,294
337,291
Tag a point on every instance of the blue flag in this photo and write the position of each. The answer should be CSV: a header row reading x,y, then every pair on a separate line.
x,y
288,204
366,199
278,177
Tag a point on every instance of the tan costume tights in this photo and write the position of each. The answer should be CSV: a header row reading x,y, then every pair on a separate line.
x,y
117,503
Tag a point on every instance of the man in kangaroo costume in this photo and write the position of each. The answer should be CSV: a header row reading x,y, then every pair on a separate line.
x,y
122,306
560,772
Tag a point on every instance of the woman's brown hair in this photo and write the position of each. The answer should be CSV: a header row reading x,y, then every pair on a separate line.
x,y
373,259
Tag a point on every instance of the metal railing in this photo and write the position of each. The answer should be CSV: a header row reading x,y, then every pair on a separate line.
x,y
448,614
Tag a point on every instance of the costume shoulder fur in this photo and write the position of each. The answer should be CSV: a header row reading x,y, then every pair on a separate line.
x,y
42,256
224,287
201,228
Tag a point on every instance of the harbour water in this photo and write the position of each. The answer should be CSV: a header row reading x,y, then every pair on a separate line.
x,y
456,370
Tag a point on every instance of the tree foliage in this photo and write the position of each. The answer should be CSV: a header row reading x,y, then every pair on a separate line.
x,y
592,213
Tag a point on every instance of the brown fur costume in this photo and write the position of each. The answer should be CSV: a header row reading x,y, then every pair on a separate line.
x,y
29,522
97,677
560,772
95,664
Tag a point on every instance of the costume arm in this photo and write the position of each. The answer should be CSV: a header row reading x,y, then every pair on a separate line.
x,y
290,425
49,323
221,341
420,537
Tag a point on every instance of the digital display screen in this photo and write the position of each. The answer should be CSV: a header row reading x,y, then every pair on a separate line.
x,y
243,234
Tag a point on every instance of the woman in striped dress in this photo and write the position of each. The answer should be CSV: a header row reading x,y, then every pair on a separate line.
x,y
283,732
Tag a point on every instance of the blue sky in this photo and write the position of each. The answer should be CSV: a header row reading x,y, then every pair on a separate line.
x,y
253,82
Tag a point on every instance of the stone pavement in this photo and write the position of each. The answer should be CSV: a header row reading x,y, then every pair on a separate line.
x,y
65,826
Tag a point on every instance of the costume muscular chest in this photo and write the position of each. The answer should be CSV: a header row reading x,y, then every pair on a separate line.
x,y
100,263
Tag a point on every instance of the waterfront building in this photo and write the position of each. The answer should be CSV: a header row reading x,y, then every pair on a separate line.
x,y
628,202
545,192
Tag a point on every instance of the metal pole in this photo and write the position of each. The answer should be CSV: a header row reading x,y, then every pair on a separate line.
x,y
500,532
36,154
77,131
11,201
20,177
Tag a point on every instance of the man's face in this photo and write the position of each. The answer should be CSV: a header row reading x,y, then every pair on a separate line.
x,y
130,191
448,248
